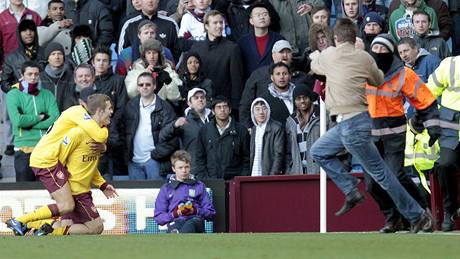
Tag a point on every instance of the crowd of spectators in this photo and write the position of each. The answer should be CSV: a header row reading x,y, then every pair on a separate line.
x,y
227,80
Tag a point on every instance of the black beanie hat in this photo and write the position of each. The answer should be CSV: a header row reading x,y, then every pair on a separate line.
x,y
82,30
53,46
303,89
27,24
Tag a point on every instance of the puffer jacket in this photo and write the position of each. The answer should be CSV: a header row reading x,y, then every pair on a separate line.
x,y
13,62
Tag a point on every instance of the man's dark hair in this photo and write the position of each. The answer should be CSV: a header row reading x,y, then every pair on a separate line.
x,y
102,50
279,64
30,63
147,74
318,8
220,99
345,30
422,12
55,2
258,5
411,42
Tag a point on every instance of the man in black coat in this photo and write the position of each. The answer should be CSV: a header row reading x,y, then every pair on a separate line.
x,y
258,82
143,118
222,150
221,60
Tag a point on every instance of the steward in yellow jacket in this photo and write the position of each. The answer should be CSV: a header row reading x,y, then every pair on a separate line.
x,y
445,83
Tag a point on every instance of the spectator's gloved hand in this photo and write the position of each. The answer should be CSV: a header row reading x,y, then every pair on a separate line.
x,y
189,211
177,212
416,125
163,78
435,133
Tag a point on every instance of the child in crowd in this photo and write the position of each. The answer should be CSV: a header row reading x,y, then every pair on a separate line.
x,y
183,203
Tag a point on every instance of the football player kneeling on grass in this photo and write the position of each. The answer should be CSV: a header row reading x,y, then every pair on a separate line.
x,y
183,203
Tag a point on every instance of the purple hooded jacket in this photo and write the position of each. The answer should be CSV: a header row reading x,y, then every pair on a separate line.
x,y
175,192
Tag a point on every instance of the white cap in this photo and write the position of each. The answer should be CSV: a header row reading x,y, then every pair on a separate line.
x,y
280,45
194,91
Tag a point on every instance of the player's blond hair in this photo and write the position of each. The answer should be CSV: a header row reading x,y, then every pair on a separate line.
x,y
97,101
181,155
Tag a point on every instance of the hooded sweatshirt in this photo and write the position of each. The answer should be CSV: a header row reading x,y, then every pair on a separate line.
x,y
401,20
267,144
14,61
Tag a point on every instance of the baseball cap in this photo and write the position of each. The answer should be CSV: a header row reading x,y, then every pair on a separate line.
x,y
193,91
280,45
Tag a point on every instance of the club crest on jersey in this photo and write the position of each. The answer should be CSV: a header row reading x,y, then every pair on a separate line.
x,y
66,141
191,193
60,175
86,116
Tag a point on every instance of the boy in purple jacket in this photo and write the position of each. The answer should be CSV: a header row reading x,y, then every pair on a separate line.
x,y
183,203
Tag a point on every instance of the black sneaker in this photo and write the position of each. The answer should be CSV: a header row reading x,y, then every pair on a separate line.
x,y
448,224
9,151
392,227
424,223
354,199
44,230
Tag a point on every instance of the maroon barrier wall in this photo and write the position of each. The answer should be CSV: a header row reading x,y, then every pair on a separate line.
x,y
291,204
436,201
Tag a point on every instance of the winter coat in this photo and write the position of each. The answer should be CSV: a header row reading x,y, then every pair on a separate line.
x,y
442,13
434,43
94,14
293,158
24,110
166,32
167,92
8,28
175,192
162,115
13,63
425,64
251,57
113,86
127,57
257,84
222,156
50,31
188,134
222,63
273,144
280,112
238,18
62,87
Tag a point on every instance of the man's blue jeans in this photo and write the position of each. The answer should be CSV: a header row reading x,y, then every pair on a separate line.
x,y
354,135
149,170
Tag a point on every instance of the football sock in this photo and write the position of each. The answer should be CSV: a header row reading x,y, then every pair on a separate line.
x,y
38,223
60,231
38,214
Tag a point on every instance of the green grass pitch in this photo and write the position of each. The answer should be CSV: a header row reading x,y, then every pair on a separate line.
x,y
235,246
